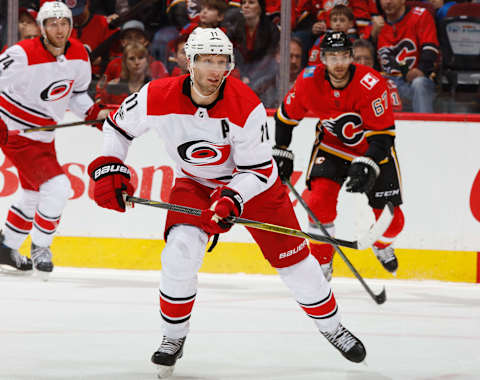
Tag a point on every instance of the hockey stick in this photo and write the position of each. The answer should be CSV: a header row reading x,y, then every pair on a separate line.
x,y
51,127
363,243
378,298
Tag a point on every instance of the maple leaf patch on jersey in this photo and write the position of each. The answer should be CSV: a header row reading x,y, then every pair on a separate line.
x,y
369,81
203,153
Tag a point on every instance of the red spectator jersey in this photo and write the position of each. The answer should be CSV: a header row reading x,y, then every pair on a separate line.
x,y
93,34
347,116
114,69
401,42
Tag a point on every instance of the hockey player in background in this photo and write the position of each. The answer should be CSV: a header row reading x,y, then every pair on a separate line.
x,y
39,79
354,143
215,129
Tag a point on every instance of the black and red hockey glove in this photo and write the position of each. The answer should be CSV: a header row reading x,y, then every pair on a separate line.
x,y
3,132
284,159
362,173
225,202
112,179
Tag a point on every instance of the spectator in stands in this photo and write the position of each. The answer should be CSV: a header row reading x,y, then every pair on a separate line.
x,y
27,24
210,16
407,47
134,74
341,20
255,40
133,31
364,54
441,8
91,29
180,57
267,86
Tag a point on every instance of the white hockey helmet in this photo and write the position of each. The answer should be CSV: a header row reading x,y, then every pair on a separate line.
x,y
209,41
53,9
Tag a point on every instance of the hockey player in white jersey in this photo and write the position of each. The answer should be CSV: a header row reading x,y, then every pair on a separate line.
x,y
39,79
215,129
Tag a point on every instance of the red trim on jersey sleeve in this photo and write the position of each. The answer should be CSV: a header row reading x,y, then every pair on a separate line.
x,y
237,104
36,52
376,110
165,96
76,50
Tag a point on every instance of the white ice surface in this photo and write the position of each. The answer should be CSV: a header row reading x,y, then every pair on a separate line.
x,y
104,324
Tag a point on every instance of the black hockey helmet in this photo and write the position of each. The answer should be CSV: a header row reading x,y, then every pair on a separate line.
x,y
335,41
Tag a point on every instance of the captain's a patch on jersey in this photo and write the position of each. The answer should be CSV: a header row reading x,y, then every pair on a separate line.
x,y
308,72
369,81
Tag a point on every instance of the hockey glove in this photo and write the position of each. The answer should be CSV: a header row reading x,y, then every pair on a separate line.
x,y
362,174
3,132
225,202
284,159
99,112
112,178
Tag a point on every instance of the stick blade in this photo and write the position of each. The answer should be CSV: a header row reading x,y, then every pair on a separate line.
x,y
378,228
381,297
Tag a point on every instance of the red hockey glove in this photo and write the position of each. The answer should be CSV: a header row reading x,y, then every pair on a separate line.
x,y
225,202
93,114
3,132
112,178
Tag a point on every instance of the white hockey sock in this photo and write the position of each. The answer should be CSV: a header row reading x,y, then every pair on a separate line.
x,y
20,218
312,292
182,258
54,195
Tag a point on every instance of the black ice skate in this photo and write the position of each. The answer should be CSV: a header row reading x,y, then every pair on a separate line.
x,y
387,257
167,355
11,258
42,260
347,343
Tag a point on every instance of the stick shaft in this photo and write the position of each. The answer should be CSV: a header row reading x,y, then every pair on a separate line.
x,y
58,126
375,297
246,222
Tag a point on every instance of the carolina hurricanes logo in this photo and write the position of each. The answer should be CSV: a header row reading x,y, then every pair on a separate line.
x,y
347,127
401,54
203,153
57,90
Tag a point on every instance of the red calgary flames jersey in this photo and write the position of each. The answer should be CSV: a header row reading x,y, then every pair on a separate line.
x,y
347,116
400,43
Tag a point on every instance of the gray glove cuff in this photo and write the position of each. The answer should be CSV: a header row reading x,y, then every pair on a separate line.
x,y
369,162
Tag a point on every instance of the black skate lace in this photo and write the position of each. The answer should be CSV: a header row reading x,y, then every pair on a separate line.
x,y
170,346
41,255
385,255
18,258
341,338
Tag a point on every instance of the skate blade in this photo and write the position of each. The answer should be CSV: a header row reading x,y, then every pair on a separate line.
x,y
164,371
44,276
9,270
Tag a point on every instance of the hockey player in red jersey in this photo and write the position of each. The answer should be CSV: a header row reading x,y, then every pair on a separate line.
x,y
39,79
354,142
215,129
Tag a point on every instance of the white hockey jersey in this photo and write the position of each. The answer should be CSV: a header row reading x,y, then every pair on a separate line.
x,y
36,88
225,143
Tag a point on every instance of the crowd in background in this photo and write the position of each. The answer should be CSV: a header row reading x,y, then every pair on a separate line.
x,y
132,42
